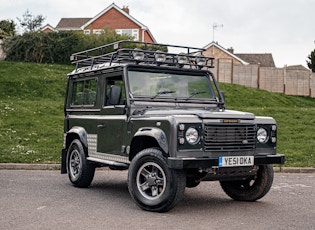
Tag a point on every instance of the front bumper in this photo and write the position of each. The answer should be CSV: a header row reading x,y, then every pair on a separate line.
x,y
186,163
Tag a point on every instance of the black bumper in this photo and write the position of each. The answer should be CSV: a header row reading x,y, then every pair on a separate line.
x,y
182,163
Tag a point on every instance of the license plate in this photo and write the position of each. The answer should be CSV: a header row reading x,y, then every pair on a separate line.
x,y
234,161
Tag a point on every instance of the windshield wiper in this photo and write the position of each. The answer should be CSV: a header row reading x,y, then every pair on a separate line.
x,y
195,93
163,92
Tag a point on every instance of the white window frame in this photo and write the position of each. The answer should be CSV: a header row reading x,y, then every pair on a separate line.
x,y
87,31
134,33
98,31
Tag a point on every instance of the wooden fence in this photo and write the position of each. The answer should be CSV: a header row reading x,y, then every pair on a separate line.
x,y
297,82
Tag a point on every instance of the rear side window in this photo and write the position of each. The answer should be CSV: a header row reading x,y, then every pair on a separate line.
x,y
84,93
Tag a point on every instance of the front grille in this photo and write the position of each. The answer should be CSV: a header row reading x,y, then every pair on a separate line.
x,y
229,137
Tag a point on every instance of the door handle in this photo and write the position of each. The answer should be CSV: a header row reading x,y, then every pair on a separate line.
x,y
101,126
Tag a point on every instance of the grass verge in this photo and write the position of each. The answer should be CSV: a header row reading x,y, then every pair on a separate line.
x,y
31,115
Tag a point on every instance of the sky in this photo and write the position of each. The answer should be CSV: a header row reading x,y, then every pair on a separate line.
x,y
285,28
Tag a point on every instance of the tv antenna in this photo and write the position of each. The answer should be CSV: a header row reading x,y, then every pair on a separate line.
x,y
214,27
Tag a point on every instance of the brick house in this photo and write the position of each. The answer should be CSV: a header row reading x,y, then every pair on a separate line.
x,y
48,29
113,18
221,54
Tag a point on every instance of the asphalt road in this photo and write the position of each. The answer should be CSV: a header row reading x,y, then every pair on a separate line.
x,y
47,200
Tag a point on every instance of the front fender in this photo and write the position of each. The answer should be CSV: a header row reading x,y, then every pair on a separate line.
x,y
79,132
157,134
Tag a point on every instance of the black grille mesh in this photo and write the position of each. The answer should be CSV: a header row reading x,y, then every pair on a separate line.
x,y
229,137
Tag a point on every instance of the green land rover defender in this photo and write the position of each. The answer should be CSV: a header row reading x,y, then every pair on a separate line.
x,y
161,116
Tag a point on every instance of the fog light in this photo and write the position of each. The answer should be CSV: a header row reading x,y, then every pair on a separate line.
x,y
138,54
201,61
182,59
273,140
159,56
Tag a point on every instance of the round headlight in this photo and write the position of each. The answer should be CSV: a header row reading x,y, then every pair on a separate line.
x,y
262,135
192,136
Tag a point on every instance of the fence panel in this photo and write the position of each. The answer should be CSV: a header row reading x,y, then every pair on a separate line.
x,y
271,79
246,75
225,71
297,82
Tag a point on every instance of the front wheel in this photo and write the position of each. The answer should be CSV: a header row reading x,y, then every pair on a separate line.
x,y
80,171
153,185
252,188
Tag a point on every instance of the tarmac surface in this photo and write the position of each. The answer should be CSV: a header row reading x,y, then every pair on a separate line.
x,y
45,199
13,166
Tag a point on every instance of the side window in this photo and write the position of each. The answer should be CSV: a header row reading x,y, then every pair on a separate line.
x,y
84,93
110,83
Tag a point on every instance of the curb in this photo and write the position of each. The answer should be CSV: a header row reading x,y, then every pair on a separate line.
x,y
13,166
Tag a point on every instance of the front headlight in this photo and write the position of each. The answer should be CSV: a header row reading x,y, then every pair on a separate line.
x,y
192,136
262,135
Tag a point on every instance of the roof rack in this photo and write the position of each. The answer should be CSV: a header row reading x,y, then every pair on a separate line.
x,y
126,51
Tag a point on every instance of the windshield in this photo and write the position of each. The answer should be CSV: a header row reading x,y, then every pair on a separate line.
x,y
169,85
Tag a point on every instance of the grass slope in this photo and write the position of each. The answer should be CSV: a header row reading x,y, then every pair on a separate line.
x,y
31,115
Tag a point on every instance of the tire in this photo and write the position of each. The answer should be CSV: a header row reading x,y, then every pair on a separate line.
x,y
80,171
153,186
252,188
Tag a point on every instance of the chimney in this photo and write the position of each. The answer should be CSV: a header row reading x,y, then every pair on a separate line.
x,y
126,9
231,50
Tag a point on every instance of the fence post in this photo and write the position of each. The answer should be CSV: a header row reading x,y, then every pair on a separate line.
x,y
258,77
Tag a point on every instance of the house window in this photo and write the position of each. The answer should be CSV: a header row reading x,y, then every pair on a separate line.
x,y
98,31
130,32
87,31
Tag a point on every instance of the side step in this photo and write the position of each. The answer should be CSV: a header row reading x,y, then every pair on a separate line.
x,y
111,164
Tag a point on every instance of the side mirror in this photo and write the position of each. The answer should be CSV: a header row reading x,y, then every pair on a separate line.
x,y
114,95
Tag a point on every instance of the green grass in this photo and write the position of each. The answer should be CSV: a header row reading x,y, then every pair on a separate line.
x,y
31,112
31,115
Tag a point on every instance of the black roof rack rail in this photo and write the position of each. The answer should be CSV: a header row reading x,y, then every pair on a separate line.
x,y
126,51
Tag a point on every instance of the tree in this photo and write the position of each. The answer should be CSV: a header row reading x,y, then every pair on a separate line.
x,y
31,23
311,62
7,28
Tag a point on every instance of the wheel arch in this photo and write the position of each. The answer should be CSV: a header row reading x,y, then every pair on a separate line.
x,y
77,132
148,137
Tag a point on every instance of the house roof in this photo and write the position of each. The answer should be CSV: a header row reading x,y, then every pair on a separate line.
x,y
48,27
264,60
226,51
297,67
113,5
71,23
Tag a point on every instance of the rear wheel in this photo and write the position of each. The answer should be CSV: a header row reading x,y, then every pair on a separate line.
x,y
80,171
153,185
252,188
